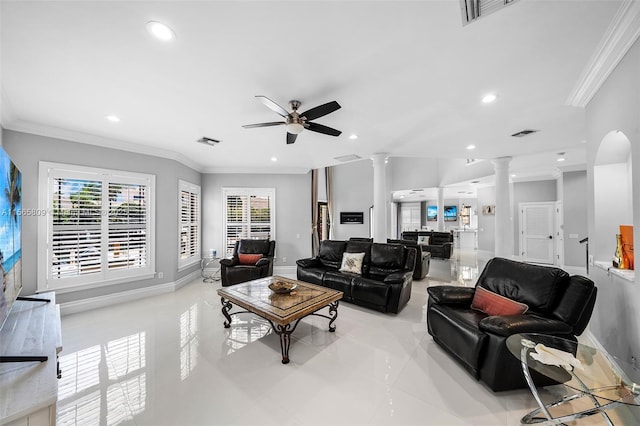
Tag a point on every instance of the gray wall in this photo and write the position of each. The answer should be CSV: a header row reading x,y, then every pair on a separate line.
x,y
529,192
352,192
293,211
616,106
486,223
27,150
574,188
412,172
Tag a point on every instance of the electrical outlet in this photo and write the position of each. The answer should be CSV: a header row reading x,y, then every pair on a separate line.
x,y
590,260
160,274
284,260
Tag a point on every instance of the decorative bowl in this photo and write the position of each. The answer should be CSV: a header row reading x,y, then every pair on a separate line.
x,y
281,287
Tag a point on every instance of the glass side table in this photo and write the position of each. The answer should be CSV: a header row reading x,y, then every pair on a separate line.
x,y
210,269
606,381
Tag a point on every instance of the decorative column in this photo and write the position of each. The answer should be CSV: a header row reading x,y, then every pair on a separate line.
x,y
379,197
504,223
440,206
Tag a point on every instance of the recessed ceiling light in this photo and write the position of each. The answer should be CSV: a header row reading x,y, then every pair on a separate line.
x,y
513,175
113,118
160,31
274,159
488,98
560,159
353,136
471,147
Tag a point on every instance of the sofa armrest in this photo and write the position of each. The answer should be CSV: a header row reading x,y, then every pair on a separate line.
x,y
229,262
398,277
513,324
451,294
308,263
264,261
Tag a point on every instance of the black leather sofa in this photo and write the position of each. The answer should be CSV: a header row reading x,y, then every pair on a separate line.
x,y
440,243
423,258
559,305
386,279
232,271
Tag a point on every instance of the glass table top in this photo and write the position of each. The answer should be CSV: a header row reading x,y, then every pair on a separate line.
x,y
579,367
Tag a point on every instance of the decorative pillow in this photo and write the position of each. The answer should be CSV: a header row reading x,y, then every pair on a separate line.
x,y
494,304
352,262
423,239
249,259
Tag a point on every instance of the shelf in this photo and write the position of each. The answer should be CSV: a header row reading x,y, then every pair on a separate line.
x,y
625,274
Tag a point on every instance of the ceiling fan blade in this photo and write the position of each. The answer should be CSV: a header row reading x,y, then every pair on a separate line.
x,y
271,123
315,127
291,138
321,110
273,106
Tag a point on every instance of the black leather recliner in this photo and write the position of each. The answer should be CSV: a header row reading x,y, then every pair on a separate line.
x,y
423,258
233,272
559,305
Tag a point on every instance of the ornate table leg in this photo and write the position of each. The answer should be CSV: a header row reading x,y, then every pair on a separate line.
x,y
333,312
226,307
284,331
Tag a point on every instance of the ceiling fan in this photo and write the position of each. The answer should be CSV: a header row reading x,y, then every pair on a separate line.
x,y
296,122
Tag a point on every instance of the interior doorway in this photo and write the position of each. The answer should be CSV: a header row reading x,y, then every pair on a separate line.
x,y
537,229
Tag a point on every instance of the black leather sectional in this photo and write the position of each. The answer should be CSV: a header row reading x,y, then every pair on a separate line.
x,y
423,258
440,243
559,305
386,279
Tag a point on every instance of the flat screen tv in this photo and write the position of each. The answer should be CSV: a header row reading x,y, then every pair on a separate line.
x,y
10,234
432,213
450,213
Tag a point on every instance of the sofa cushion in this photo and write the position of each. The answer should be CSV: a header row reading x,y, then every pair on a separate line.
x,y
330,253
386,259
352,262
339,281
494,304
536,286
370,291
253,246
314,274
248,259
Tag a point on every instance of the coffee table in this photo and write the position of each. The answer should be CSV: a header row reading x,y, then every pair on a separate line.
x,y
606,381
283,311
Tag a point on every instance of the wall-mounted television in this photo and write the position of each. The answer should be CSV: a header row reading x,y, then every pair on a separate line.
x,y
450,213
432,213
10,234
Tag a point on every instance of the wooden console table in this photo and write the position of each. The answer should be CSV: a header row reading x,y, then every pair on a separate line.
x,y
29,390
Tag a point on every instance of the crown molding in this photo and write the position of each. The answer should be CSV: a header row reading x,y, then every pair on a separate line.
x,y
617,40
256,170
90,139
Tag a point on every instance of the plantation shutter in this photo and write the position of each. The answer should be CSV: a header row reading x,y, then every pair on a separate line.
x,y
127,226
249,213
189,223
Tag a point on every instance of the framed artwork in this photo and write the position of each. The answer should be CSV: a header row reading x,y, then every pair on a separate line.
x,y
489,209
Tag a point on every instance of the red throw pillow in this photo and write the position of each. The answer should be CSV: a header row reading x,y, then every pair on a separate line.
x,y
494,304
249,259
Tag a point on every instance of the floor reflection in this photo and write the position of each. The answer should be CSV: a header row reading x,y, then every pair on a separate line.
x,y
462,268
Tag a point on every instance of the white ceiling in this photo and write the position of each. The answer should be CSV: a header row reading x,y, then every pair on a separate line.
x,y
408,75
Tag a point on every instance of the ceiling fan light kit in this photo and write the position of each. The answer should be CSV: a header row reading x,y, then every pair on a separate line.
x,y
296,122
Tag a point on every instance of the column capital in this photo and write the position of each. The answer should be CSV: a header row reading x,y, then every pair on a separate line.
x,y
501,162
379,157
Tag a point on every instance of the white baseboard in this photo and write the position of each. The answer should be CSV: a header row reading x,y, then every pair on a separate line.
x,y
575,270
286,271
77,306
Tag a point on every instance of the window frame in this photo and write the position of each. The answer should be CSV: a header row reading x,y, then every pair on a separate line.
x,y
106,277
249,192
191,188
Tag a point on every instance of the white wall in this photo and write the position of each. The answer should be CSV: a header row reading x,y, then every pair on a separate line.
x,y
27,150
574,188
616,106
293,211
457,170
486,223
352,192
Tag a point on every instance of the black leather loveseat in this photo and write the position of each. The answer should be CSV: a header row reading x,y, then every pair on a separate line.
x,y
423,258
384,283
440,243
558,304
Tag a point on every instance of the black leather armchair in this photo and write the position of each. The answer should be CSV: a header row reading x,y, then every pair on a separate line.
x,y
559,305
423,258
232,271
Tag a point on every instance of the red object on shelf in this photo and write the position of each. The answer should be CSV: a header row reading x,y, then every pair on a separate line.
x,y
626,232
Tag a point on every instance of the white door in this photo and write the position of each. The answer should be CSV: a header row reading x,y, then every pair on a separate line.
x,y
537,231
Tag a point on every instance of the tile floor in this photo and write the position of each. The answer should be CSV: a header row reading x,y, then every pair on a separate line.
x,y
167,360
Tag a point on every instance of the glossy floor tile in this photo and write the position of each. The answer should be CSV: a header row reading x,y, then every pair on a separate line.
x,y
167,360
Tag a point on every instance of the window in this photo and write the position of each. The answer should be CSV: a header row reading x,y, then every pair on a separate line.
x,y
410,216
95,226
189,226
248,213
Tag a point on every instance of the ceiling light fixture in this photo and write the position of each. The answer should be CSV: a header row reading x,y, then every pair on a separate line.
x,y
353,136
274,159
560,159
295,128
113,118
160,31
488,98
471,147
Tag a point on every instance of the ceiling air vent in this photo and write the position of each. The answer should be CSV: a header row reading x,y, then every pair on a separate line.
x,y
523,133
349,157
208,141
474,9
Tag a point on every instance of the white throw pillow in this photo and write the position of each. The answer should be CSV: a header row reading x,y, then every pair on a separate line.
x,y
423,239
352,262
